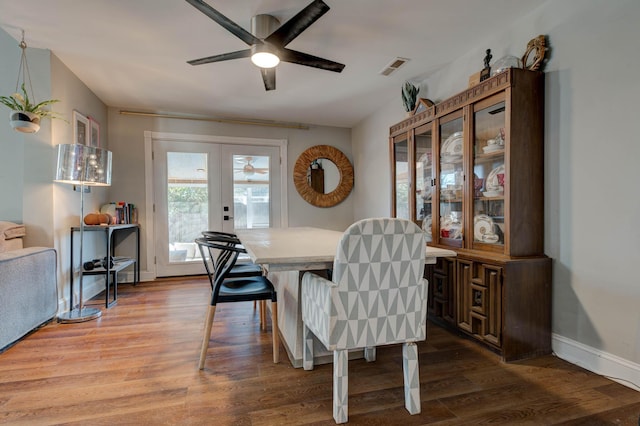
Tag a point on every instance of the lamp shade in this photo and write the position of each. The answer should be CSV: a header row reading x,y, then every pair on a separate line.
x,y
81,164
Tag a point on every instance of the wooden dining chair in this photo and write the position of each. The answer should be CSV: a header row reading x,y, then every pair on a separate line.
x,y
377,296
219,257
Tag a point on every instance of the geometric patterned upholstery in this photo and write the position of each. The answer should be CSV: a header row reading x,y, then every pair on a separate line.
x,y
377,296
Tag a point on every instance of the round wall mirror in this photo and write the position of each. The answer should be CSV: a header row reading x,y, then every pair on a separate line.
x,y
323,176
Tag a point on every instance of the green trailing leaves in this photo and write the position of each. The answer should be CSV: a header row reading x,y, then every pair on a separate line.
x,y
21,102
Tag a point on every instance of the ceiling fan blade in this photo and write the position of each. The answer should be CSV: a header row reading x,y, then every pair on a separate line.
x,y
222,57
300,22
225,22
269,78
300,58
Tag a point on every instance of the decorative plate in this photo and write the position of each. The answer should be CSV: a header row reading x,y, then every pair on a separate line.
x,y
452,145
482,225
426,227
425,159
492,183
426,193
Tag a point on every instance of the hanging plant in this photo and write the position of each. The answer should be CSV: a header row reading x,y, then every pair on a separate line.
x,y
22,110
25,116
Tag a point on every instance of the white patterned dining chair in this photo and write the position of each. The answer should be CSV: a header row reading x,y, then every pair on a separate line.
x,y
377,296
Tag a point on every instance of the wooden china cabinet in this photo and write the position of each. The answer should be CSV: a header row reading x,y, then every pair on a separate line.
x,y
469,170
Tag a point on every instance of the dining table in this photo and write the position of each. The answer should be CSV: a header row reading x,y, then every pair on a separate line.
x,y
285,254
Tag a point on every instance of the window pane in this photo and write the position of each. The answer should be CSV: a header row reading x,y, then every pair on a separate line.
x,y
251,191
187,203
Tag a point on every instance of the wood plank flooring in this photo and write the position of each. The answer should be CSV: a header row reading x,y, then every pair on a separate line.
x,y
137,365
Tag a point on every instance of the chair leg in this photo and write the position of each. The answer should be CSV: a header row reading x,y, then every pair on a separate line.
x,y
411,377
341,386
208,322
370,354
275,332
263,315
307,349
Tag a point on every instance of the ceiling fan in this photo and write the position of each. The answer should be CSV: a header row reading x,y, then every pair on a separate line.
x,y
268,41
249,169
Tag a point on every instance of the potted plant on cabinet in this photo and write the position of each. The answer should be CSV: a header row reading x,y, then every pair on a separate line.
x,y
25,116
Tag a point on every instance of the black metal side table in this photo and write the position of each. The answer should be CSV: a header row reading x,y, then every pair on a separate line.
x,y
110,270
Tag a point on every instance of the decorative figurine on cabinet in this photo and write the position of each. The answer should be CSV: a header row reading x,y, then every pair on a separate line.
x,y
486,71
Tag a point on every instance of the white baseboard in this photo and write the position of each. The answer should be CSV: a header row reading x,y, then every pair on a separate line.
x,y
605,364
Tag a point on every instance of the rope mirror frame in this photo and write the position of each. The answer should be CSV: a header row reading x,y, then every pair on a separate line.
x,y
344,167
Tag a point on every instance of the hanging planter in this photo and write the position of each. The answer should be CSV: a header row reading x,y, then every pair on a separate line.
x,y
25,116
24,121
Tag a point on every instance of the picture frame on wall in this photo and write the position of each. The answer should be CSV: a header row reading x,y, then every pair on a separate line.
x,y
81,128
95,133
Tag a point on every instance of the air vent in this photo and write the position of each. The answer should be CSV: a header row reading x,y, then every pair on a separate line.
x,y
394,65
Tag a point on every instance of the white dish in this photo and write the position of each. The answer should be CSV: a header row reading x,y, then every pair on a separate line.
x,y
492,183
447,196
426,228
426,193
482,225
451,158
490,238
452,145
492,148
493,193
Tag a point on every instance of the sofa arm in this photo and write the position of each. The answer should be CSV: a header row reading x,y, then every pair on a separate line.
x,y
28,291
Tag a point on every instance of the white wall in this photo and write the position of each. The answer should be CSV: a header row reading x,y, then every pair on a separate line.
x,y
127,143
592,201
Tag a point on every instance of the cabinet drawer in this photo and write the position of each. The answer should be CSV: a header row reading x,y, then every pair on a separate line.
x,y
441,290
479,300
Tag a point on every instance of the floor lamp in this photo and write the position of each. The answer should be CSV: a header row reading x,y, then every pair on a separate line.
x,y
82,166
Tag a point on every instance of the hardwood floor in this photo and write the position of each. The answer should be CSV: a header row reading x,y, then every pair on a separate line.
x,y
137,364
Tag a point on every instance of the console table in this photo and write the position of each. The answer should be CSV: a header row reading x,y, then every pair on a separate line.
x,y
113,235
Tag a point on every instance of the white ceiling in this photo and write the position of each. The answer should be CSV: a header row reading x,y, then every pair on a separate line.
x,y
132,53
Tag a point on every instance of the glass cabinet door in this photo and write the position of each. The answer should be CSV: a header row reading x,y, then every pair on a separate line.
x,y
489,175
401,176
424,178
451,182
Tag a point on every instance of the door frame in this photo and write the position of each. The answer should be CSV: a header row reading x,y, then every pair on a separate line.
x,y
147,231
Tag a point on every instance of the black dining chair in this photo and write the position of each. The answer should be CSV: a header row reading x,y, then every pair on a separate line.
x,y
240,269
219,256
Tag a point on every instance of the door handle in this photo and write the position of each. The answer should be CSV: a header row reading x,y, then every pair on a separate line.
x,y
225,217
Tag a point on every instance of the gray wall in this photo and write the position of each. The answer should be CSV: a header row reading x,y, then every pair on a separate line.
x,y
592,201
25,158
73,95
27,161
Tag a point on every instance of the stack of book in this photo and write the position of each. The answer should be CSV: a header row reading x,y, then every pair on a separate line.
x,y
126,212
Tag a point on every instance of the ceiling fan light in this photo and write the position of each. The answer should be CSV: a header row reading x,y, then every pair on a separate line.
x,y
265,59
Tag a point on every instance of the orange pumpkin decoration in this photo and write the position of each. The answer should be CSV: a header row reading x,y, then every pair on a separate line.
x,y
97,219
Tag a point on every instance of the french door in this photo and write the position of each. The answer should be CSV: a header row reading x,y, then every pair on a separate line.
x,y
202,186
